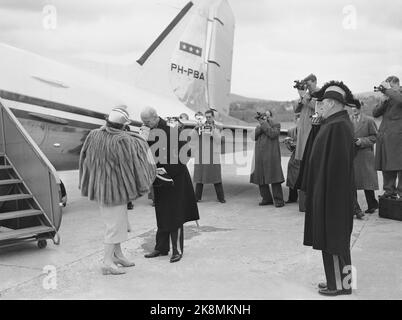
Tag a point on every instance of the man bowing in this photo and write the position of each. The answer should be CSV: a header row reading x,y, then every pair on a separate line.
x,y
175,202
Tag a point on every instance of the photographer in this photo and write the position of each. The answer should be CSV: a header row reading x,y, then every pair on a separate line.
x,y
293,164
306,107
267,167
207,165
365,131
388,157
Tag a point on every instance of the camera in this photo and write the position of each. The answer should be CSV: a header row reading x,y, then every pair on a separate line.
x,y
380,88
260,116
203,127
300,85
172,121
290,144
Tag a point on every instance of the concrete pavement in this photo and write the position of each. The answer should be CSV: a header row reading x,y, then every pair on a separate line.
x,y
240,251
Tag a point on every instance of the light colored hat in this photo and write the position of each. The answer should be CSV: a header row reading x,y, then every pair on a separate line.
x,y
119,115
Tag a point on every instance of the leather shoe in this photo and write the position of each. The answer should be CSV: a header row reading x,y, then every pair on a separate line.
x,y
222,201
279,205
155,254
360,215
265,203
322,285
372,210
176,257
329,292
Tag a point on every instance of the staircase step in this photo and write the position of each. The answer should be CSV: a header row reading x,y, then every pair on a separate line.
x,y
19,214
9,181
3,167
26,232
15,197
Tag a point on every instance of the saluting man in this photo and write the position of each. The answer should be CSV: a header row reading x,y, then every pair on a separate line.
x,y
328,182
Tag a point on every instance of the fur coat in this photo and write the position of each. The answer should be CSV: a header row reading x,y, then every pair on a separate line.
x,y
115,166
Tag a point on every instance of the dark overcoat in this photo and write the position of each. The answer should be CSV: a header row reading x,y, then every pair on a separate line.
x,y
365,174
207,153
174,205
388,155
293,164
329,185
267,167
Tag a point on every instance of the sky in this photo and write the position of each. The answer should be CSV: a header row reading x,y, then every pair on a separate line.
x,y
276,42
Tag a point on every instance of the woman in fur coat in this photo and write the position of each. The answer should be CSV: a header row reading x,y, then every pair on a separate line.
x,y
116,166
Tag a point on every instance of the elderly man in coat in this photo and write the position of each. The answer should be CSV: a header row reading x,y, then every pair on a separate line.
x,y
366,178
328,181
116,166
174,204
267,167
388,157
207,156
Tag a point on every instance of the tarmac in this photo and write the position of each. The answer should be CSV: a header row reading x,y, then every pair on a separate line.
x,y
239,251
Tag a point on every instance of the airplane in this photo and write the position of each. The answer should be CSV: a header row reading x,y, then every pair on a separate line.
x,y
186,69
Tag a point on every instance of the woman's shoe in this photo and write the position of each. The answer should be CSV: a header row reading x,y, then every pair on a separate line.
x,y
111,270
123,262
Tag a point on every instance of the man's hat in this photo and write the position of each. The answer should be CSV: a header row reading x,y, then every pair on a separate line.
x,y
334,92
311,77
119,115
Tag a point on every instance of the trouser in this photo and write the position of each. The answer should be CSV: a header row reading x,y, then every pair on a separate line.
x,y
176,238
218,189
390,186
302,201
370,198
293,195
338,271
276,192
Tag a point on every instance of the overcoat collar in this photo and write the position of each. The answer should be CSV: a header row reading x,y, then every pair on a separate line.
x,y
336,116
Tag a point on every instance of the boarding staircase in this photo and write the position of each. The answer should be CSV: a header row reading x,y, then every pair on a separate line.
x,y
29,187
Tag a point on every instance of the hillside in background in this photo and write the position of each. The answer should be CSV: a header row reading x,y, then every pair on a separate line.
x,y
245,109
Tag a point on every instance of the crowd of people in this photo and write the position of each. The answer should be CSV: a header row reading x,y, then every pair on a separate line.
x,y
332,157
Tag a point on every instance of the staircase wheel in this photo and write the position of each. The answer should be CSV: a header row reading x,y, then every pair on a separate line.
x,y
56,239
42,244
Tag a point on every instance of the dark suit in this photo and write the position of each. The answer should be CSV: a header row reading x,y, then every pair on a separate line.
x,y
174,205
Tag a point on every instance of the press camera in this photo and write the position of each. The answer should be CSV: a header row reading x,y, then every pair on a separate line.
x,y
300,85
172,121
260,116
203,127
380,88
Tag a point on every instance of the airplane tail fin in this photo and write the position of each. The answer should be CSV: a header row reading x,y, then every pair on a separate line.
x,y
192,58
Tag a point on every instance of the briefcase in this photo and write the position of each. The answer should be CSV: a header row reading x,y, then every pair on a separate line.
x,y
390,209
